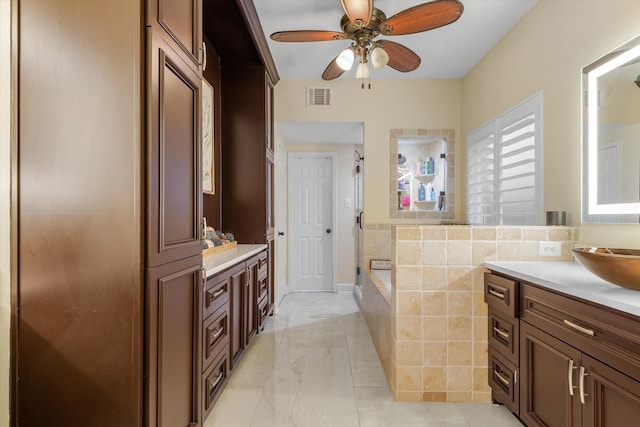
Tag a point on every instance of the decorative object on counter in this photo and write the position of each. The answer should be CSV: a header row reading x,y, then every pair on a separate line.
x,y
618,266
556,218
216,241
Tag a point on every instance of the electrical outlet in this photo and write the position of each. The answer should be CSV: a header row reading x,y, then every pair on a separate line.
x,y
550,249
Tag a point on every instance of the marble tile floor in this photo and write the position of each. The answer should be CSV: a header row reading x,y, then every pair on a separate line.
x,y
315,365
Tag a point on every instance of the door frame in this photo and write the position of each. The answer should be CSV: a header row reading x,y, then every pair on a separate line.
x,y
291,158
281,245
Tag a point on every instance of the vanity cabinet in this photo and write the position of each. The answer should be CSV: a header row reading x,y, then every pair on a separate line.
x,y
501,295
231,318
574,363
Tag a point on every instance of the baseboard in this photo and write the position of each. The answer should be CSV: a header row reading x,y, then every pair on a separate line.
x,y
344,288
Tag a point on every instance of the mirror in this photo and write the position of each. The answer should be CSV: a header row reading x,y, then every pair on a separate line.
x,y
611,128
421,174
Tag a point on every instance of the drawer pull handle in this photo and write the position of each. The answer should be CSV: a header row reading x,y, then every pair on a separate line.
x,y
501,332
579,328
495,293
570,376
263,262
581,383
501,378
217,333
218,293
213,384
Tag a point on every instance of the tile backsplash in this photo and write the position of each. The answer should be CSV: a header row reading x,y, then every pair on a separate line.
x,y
438,343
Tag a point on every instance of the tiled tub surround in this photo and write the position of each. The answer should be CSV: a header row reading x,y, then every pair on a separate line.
x,y
431,334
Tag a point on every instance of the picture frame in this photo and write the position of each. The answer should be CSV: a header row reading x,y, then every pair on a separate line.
x,y
208,163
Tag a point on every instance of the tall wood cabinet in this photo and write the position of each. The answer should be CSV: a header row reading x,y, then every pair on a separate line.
x,y
248,157
107,322
173,316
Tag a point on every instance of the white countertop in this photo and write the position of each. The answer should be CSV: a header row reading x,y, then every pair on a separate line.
x,y
572,279
215,263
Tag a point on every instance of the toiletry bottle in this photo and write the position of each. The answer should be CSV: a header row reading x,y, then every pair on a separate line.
x,y
422,193
441,201
432,196
430,166
423,168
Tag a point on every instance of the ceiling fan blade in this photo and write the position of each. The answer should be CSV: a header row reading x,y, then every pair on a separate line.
x,y
333,71
358,10
307,36
401,58
422,17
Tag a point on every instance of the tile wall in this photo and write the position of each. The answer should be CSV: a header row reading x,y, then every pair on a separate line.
x,y
438,349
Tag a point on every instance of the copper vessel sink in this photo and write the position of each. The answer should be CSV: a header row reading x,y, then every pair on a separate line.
x,y
618,266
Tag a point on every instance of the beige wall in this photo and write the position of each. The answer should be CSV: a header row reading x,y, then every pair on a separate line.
x,y
344,230
390,104
5,206
545,51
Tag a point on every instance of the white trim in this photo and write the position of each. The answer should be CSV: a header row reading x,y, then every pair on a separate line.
x,y
315,155
345,288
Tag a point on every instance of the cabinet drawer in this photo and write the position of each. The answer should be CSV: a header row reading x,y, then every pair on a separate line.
x,y
500,294
213,382
503,380
263,286
263,312
504,333
604,333
262,264
215,335
216,294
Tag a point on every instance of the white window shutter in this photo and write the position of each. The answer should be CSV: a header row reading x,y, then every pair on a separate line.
x,y
509,167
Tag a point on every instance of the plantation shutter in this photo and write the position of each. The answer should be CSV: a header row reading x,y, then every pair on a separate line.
x,y
504,167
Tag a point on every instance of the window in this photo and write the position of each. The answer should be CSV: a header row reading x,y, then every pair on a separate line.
x,y
504,167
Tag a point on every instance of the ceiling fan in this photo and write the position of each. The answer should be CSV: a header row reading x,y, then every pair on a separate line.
x,y
362,23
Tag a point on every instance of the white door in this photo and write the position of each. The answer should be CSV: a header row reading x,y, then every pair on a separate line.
x,y
281,224
311,221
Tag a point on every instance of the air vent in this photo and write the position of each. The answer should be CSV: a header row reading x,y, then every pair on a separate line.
x,y
318,97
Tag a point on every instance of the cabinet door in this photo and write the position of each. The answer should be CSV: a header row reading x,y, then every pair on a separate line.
x,y
611,398
237,279
173,157
173,343
548,369
251,300
181,23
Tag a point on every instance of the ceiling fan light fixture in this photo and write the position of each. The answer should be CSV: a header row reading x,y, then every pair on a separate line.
x,y
379,57
362,72
345,59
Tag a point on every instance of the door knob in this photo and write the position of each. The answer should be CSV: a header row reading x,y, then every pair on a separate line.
x,y
328,231
280,233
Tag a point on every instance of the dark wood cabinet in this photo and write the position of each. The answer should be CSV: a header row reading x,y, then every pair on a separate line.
x,y
247,146
250,300
557,361
231,318
237,279
173,156
180,22
613,399
173,325
548,385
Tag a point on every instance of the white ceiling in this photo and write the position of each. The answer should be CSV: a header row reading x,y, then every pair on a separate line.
x,y
447,53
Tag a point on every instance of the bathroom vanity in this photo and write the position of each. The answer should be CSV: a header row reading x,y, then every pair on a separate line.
x,y
564,345
234,307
